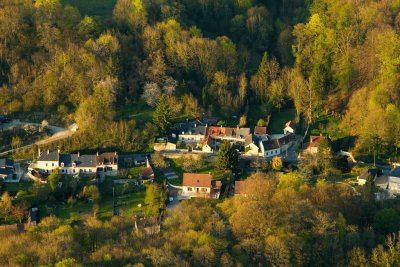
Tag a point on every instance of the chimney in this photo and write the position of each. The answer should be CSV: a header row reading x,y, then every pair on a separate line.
x,y
320,134
116,154
97,153
48,151
195,125
39,152
79,154
58,150
310,139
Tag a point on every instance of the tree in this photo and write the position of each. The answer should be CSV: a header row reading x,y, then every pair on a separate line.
x,y
16,142
243,121
159,161
19,212
386,221
92,192
227,156
162,115
154,200
54,178
276,163
6,204
151,94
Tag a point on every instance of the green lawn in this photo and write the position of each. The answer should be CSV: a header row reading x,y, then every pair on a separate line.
x,y
257,112
278,120
102,8
127,204
139,112
327,125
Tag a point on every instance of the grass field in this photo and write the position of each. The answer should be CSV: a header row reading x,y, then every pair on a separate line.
x,y
102,8
278,120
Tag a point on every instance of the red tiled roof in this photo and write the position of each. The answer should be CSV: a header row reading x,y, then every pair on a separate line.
x,y
315,141
260,130
197,179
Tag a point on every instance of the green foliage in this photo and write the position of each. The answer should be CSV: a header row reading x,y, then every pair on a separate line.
x,y
162,116
54,178
227,156
387,221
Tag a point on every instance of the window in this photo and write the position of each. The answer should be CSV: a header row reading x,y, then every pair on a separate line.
x,y
204,190
73,170
62,171
109,168
267,153
190,189
52,164
276,151
47,164
183,138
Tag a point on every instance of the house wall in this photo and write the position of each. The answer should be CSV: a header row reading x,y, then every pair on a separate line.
x,y
185,190
272,153
207,149
76,170
190,138
47,165
71,170
252,150
394,184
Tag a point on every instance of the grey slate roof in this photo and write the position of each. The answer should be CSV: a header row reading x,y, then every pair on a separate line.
x,y
80,160
395,172
271,144
49,156
190,127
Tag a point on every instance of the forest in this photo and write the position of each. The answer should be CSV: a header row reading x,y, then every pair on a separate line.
x,y
127,73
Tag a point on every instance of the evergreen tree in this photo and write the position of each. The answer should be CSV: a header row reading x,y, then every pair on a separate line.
x,y
162,116
227,156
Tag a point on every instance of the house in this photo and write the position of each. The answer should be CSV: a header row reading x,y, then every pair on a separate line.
x,y
147,174
233,135
394,180
104,163
190,132
260,131
200,185
363,177
206,145
240,188
289,128
312,146
165,144
250,147
139,160
277,145
6,168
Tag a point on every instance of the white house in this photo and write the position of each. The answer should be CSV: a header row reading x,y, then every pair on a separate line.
x,y
104,163
251,149
312,146
206,145
200,185
190,132
48,161
289,128
276,146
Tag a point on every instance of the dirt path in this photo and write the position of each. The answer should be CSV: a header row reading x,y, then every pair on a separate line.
x,y
58,134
